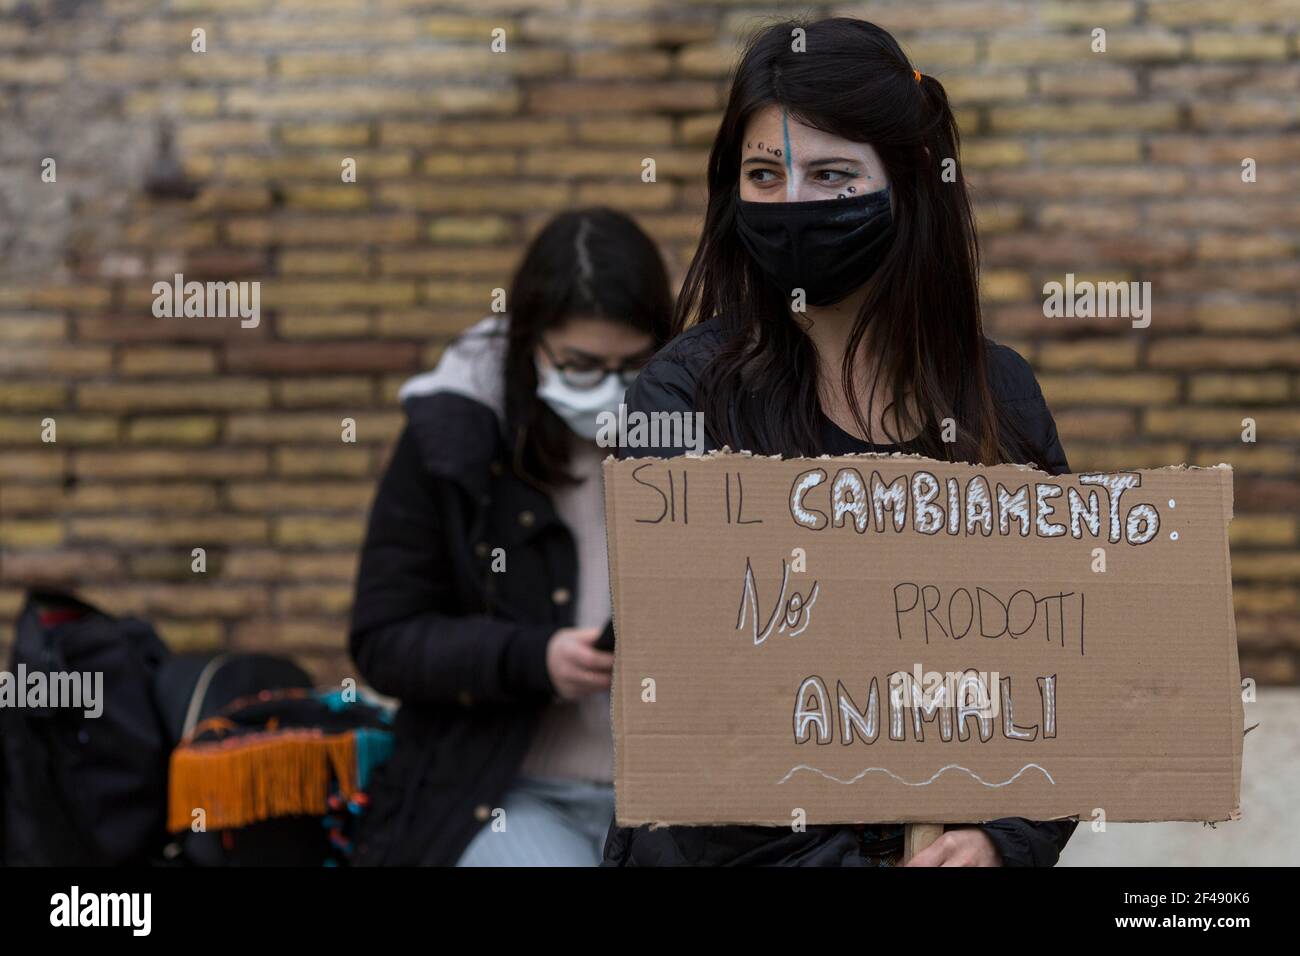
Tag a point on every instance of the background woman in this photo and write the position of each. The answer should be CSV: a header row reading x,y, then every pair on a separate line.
x,y
483,582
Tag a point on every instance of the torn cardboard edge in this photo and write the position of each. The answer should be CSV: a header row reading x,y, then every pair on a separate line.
x,y
885,456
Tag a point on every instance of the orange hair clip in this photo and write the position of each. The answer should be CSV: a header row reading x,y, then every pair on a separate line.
x,y
917,75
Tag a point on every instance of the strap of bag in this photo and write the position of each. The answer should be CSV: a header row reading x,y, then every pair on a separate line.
x,y
200,691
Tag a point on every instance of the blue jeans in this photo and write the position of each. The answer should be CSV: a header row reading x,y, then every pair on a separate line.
x,y
547,822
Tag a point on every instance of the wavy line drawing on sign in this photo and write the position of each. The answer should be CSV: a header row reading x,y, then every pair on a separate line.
x,y
920,783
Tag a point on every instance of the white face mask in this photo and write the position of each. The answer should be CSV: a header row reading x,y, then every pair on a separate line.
x,y
580,407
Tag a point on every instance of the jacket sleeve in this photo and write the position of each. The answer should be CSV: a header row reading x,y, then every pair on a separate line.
x,y
407,638
1027,842
663,386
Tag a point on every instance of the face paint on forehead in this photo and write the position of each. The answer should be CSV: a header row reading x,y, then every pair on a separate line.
x,y
789,155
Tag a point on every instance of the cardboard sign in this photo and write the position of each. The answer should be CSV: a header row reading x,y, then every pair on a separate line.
x,y
887,638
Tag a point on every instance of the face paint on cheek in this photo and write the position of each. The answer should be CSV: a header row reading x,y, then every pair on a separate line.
x,y
789,156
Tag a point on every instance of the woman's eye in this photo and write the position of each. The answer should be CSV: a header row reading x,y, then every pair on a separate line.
x,y
754,175
836,177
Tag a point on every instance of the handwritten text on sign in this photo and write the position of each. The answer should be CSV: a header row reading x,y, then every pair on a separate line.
x,y
998,640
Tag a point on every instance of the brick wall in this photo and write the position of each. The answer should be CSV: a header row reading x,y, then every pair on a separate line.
x,y
181,433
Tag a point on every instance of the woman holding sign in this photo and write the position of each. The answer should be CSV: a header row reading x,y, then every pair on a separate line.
x,y
832,307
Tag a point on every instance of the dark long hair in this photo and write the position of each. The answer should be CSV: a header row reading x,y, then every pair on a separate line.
x,y
589,263
922,306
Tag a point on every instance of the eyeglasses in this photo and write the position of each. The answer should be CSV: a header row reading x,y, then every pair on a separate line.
x,y
586,378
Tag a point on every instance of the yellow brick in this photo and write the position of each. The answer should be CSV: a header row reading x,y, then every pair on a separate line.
x,y
475,133
156,465
625,130
1239,247
290,635
289,294
326,263
986,152
323,462
1084,117
457,230
631,197
1005,285
1095,353
32,328
1246,387
1268,566
1094,149
1222,424
192,531
1097,13
696,60
1198,12
1225,352
324,230
934,55
97,496
305,530
70,428
22,533
1265,530
457,165
1026,49
193,104
174,430
1091,81
191,636
32,70
326,198
320,427
49,462
65,360
495,263
316,165
155,360
309,325
256,564
219,393
964,88
300,599
525,197
363,100
325,134
646,32
31,395
1238,46
1098,389
280,496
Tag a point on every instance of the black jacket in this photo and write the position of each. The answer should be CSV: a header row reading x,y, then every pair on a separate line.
x,y
462,648
667,384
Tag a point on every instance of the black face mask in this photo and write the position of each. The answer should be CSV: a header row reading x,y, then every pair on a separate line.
x,y
827,247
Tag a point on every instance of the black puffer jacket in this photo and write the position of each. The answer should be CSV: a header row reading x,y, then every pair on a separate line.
x,y
667,384
462,648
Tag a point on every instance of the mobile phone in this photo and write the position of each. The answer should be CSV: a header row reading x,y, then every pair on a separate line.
x,y
606,640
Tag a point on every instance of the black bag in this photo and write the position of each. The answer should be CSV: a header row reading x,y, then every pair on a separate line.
x,y
78,790
193,687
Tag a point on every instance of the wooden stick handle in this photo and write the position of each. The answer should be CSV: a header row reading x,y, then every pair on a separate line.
x,y
917,836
